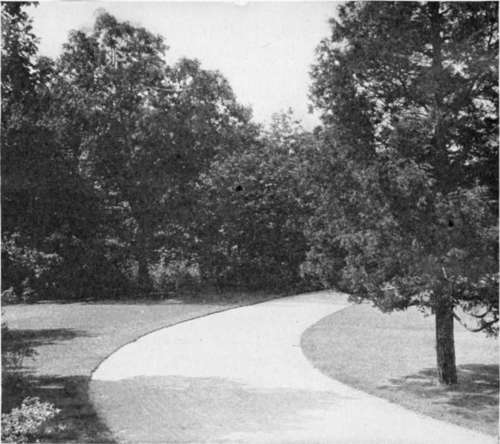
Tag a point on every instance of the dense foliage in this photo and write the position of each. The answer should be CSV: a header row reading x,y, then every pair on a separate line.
x,y
25,423
123,175
253,210
147,129
51,216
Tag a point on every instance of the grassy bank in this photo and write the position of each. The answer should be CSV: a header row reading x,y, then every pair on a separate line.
x,y
71,339
392,356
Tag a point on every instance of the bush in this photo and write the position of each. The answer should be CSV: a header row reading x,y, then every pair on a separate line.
x,y
91,270
9,296
24,268
14,351
25,423
176,276
73,269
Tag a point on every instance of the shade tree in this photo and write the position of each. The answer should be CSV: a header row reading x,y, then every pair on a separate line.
x,y
409,97
50,214
252,210
148,129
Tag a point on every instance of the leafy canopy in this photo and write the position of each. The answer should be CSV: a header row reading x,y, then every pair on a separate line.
x,y
409,96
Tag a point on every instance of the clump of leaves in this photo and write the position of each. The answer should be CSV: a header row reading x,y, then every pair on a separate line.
x,y
23,424
176,276
25,268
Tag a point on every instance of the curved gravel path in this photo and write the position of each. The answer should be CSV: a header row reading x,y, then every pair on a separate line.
x,y
240,376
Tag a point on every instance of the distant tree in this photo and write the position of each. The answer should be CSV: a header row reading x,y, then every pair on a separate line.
x,y
409,99
251,231
19,48
19,82
48,211
149,128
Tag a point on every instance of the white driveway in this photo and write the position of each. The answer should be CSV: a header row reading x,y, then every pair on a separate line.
x,y
240,376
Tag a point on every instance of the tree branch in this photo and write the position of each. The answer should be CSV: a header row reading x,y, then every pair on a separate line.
x,y
488,310
483,326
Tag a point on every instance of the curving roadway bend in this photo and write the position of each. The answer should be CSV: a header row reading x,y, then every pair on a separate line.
x,y
240,376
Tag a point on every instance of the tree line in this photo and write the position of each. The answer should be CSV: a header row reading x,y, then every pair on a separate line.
x,y
115,162
121,173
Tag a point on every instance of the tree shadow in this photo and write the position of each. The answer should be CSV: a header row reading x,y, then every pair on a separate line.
x,y
36,338
77,421
190,409
476,393
19,344
225,298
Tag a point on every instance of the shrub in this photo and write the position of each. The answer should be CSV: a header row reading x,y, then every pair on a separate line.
x,y
14,351
9,296
175,276
25,423
70,268
89,270
24,268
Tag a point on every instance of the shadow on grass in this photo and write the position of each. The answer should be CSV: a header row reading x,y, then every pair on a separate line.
x,y
475,394
225,298
35,338
77,421
189,409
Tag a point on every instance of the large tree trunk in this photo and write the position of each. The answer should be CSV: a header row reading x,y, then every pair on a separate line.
x,y
445,343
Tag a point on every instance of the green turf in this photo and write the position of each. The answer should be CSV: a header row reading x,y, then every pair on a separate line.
x,y
71,340
393,356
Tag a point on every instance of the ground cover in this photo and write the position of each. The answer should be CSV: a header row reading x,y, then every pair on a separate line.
x,y
392,356
71,339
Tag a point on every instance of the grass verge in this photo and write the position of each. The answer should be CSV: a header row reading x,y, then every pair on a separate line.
x,y
392,356
71,339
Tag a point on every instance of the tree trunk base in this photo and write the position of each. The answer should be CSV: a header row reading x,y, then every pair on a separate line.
x,y
445,344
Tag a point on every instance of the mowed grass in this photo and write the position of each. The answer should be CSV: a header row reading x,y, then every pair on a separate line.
x,y
72,339
393,356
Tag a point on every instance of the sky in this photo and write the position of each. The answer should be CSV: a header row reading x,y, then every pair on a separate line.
x,y
264,49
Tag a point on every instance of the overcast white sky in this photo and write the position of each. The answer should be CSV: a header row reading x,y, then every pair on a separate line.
x,y
264,49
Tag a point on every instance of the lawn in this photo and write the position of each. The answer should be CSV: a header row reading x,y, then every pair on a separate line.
x,y
72,339
392,356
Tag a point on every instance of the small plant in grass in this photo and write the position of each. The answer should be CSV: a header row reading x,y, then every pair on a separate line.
x,y
14,351
23,424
